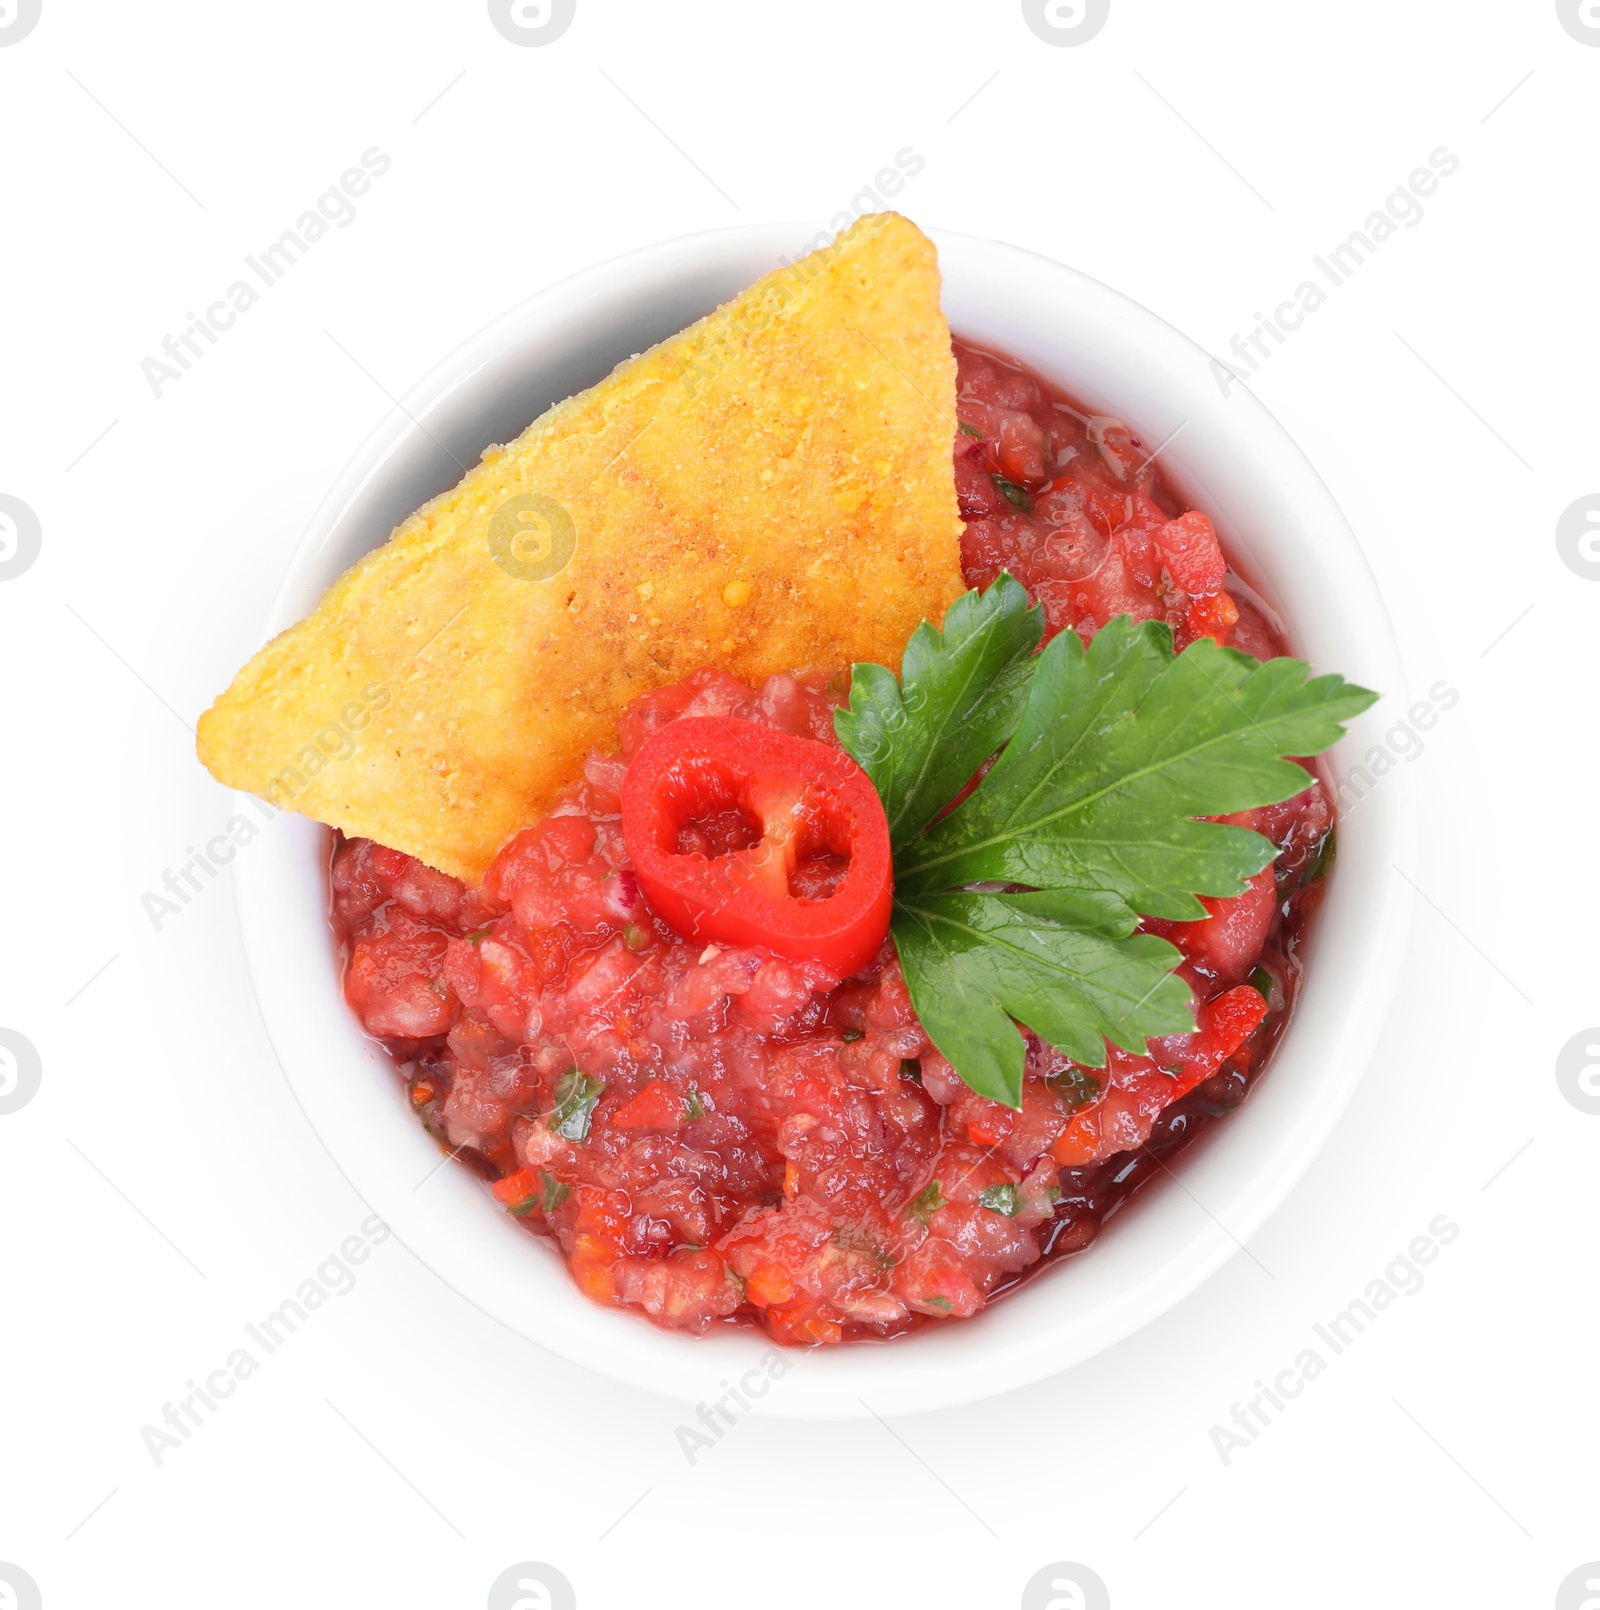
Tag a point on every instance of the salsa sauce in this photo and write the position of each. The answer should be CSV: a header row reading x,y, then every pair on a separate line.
x,y
718,1135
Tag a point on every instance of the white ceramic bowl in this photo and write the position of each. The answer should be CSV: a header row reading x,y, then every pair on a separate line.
x,y
1278,521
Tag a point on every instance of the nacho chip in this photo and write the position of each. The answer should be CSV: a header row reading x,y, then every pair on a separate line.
x,y
770,490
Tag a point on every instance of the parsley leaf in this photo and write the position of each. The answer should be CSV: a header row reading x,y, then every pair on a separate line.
x,y
1064,962
577,1095
551,1194
1001,1199
1075,1086
960,695
1021,903
926,1202
1121,747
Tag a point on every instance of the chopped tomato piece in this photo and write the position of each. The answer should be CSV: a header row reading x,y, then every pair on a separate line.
x,y
1137,1090
1189,549
553,875
802,1327
658,1106
1229,1021
517,1188
1226,943
395,980
1214,617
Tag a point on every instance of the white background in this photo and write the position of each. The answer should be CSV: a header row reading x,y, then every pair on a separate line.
x,y
403,1449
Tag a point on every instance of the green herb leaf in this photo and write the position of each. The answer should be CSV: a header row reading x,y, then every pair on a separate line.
x,y
961,694
1020,905
969,430
1014,494
926,1202
1121,747
1262,979
942,1303
576,1098
1001,1199
694,1106
477,936
1075,1087
1066,963
550,1195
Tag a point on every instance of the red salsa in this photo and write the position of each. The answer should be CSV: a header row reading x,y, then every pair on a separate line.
x,y
712,1131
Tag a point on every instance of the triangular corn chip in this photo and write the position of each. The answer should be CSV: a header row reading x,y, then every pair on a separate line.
x,y
771,490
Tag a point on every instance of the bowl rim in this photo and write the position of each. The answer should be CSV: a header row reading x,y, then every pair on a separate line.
x,y
1157,1255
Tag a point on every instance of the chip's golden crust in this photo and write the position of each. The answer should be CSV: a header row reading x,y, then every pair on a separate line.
x,y
770,490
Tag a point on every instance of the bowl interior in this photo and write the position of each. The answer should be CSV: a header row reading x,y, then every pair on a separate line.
x,y
1278,521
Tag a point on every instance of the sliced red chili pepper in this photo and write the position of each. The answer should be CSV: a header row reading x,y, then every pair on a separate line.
x,y
744,835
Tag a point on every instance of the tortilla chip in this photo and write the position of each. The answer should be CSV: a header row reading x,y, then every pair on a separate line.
x,y
770,490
